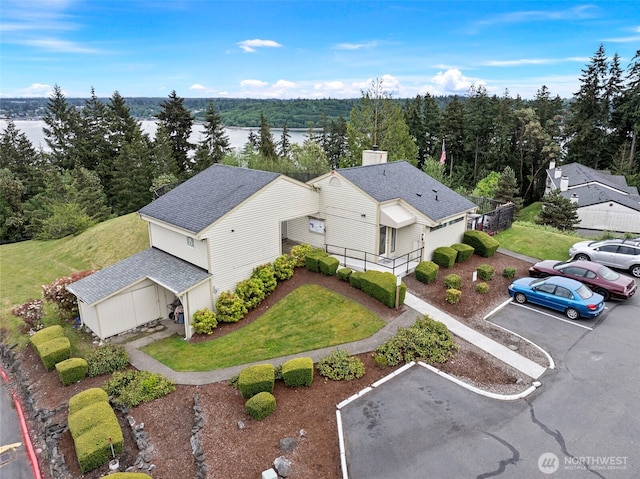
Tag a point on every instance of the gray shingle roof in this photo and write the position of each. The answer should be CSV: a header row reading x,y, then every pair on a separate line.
x,y
162,268
581,175
595,194
200,201
401,180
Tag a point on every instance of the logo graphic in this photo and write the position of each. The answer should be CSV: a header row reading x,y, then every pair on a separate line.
x,y
548,463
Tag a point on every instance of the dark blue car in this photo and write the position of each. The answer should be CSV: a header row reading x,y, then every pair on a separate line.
x,y
562,294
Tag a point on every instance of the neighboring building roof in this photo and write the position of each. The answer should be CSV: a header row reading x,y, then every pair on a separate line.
x,y
170,272
582,175
203,199
401,180
594,194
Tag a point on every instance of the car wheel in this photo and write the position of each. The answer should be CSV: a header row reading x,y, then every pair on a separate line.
x,y
635,270
520,298
582,257
572,313
603,292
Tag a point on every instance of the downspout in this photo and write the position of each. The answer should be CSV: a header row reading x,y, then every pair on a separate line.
x,y
187,316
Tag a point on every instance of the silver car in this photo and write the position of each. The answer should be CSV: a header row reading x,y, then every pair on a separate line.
x,y
616,253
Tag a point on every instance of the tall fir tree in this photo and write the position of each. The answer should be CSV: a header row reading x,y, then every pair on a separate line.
x,y
559,212
266,145
61,131
177,122
284,144
215,144
18,155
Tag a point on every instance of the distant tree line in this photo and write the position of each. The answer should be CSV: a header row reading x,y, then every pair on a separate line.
x,y
101,164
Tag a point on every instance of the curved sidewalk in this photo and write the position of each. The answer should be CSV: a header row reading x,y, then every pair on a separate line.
x,y
415,307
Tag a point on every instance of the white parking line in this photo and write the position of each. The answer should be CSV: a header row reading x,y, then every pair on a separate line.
x,y
553,316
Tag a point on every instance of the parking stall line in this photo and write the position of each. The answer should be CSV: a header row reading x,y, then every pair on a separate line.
x,y
553,316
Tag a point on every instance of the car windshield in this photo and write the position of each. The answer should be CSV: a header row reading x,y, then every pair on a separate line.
x,y
608,274
584,292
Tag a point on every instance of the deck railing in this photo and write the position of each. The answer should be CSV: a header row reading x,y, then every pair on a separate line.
x,y
396,265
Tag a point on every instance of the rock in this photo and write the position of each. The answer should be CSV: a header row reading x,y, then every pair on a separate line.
x,y
240,424
287,444
513,347
282,466
269,474
303,433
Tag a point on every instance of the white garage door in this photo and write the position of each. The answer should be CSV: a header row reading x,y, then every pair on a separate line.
x,y
145,305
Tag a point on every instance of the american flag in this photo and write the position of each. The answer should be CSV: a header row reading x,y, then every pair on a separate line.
x,y
443,156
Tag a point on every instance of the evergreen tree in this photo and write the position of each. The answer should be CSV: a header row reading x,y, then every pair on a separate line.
x,y
85,189
507,190
336,144
22,160
309,158
480,122
12,220
626,119
266,145
163,162
215,144
132,176
558,212
92,144
452,130
423,117
284,145
61,130
177,122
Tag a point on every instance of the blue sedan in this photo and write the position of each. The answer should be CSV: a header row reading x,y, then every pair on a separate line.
x,y
562,294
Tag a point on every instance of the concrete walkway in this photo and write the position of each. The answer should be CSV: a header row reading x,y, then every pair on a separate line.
x,y
415,308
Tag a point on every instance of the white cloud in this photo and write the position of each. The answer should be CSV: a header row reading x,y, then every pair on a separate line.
x,y
253,84
634,37
61,46
575,13
251,45
452,81
355,46
36,90
197,86
284,84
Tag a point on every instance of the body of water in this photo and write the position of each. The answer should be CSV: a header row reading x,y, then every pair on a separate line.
x,y
237,135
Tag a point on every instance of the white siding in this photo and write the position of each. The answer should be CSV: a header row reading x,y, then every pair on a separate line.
x,y
199,297
250,235
446,236
298,230
89,316
175,243
609,218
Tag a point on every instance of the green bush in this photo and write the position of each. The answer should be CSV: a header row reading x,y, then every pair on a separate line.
x,y
509,273
107,359
426,272
267,275
130,388
312,259
444,256
482,243
93,448
204,321
453,281
261,405
72,370
86,398
426,340
382,286
46,334
283,267
91,416
298,254
482,288
341,366
328,265
54,351
230,307
464,252
485,272
251,291
129,475
355,279
298,372
452,296
344,273
255,379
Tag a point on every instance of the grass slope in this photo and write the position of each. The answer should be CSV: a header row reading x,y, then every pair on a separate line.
x,y
310,317
537,241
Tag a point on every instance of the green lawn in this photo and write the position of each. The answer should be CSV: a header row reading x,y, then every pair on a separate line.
x,y
308,318
537,241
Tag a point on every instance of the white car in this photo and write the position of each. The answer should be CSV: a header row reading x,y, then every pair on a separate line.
x,y
615,253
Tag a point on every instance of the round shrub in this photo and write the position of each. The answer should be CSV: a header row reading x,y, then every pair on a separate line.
x,y
344,273
251,291
107,359
204,321
283,267
340,365
482,288
266,274
485,272
509,273
261,405
230,307
452,296
453,281
298,253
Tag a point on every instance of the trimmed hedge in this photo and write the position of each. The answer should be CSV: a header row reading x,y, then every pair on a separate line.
x,y
509,272
256,379
482,288
426,272
382,286
464,252
298,372
453,281
485,272
72,370
45,335
482,243
344,273
261,405
312,259
86,398
54,351
93,448
355,279
444,256
89,417
328,265
452,296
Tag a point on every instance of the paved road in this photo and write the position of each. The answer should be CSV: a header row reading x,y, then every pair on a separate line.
x,y
420,425
14,463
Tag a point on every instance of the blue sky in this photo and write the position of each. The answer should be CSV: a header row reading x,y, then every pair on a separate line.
x,y
306,49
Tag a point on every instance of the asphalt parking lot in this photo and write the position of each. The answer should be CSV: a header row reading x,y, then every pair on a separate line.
x,y
582,422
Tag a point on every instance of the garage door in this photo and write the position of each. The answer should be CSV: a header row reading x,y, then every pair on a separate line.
x,y
145,304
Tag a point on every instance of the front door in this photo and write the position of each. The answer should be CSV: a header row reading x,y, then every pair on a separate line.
x,y
388,237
